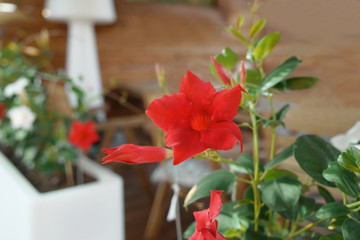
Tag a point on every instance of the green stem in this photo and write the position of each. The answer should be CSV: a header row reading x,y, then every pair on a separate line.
x,y
256,180
274,134
355,204
307,227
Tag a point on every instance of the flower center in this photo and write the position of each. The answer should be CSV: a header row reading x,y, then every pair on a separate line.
x,y
200,121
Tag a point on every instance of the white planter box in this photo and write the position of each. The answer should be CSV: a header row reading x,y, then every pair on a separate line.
x,y
92,211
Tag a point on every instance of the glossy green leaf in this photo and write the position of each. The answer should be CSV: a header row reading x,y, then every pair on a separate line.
x,y
299,83
265,45
227,58
335,236
351,229
281,113
239,22
282,156
245,164
226,222
280,194
257,27
345,180
350,159
237,34
253,78
217,180
314,154
278,173
325,194
331,210
279,74
189,230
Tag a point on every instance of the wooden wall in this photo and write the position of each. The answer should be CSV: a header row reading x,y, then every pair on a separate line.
x,y
324,34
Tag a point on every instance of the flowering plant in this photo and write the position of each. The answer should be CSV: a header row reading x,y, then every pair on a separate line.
x,y
36,121
198,121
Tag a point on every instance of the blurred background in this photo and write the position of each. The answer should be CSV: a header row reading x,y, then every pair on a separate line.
x,y
183,34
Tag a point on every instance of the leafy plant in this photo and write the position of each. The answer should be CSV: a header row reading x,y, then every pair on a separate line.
x,y
36,115
276,204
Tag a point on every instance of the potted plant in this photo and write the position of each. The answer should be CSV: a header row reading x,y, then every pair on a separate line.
x,y
199,121
43,141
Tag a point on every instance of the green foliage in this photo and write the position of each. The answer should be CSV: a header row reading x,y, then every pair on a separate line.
x,y
265,45
44,145
217,180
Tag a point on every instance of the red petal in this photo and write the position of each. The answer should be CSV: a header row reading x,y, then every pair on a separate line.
x,y
134,154
221,135
225,104
221,72
196,236
215,203
168,110
200,93
83,135
202,219
185,143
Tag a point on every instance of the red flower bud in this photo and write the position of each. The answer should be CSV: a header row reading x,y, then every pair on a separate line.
x,y
134,154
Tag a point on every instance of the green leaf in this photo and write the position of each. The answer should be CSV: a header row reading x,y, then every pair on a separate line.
x,y
278,173
314,154
281,113
350,159
217,180
231,222
325,194
253,78
190,230
281,193
345,180
279,74
335,236
307,207
239,22
331,210
245,164
299,83
351,229
227,58
252,235
257,27
265,45
282,156
237,34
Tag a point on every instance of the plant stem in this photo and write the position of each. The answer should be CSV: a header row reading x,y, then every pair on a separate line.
x,y
307,227
256,180
273,137
69,174
355,204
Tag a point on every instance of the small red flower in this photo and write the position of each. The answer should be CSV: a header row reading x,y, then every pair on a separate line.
x,y
83,135
221,72
2,110
197,118
134,154
206,224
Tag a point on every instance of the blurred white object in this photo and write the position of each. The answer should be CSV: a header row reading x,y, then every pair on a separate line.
x,y
21,117
82,58
351,137
16,87
91,211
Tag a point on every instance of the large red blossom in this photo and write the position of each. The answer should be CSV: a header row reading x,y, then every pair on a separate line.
x,y
83,135
197,118
134,154
206,224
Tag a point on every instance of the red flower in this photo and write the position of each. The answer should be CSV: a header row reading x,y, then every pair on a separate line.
x,y
83,135
2,110
197,118
206,224
134,154
221,72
